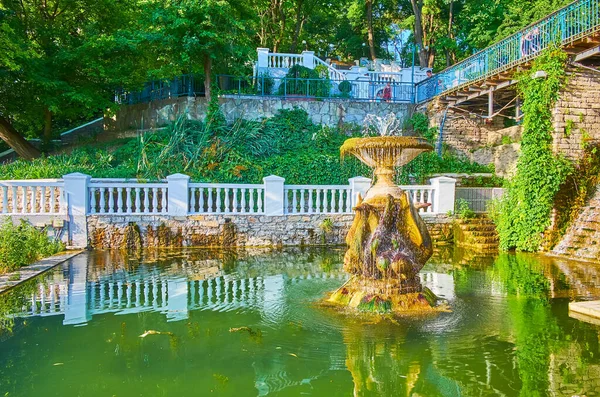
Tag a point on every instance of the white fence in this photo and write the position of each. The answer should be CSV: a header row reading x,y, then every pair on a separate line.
x,y
76,196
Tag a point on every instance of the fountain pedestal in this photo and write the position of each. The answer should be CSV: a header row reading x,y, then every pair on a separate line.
x,y
388,242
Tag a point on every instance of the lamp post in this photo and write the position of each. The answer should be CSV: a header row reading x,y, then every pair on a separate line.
x,y
364,46
304,44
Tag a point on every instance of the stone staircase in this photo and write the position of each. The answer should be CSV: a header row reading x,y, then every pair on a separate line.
x,y
478,233
582,239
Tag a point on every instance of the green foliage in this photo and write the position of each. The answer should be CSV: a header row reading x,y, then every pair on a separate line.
x,y
569,126
345,87
266,84
301,80
23,244
524,213
326,226
463,210
506,140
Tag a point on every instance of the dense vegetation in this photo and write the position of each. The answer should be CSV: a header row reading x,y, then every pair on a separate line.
x,y
62,60
23,244
524,214
288,145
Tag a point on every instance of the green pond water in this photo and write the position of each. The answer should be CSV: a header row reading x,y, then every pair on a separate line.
x,y
76,331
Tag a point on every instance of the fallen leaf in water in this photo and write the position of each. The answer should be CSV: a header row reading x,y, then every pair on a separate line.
x,y
55,364
293,355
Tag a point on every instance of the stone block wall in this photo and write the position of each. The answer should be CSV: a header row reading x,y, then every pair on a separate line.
x,y
231,230
330,112
576,116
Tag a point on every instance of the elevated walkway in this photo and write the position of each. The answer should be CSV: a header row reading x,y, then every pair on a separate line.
x,y
485,81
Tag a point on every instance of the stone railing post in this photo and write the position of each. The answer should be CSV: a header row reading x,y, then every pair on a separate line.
x,y
444,193
308,59
77,203
274,195
263,57
359,185
178,194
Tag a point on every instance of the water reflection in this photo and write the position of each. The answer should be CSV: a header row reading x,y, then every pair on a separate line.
x,y
508,334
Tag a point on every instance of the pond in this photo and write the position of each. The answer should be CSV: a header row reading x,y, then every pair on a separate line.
x,y
248,323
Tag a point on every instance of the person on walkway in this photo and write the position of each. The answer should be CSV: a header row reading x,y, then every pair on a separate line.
x,y
387,92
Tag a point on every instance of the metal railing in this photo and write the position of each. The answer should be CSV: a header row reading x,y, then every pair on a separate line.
x,y
184,85
573,22
478,198
358,90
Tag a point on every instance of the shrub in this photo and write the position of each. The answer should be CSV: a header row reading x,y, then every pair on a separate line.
x,y
345,88
23,244
301,80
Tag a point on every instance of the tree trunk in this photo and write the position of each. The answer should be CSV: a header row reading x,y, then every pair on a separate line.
x,y
450,55
207,76
13,139
417,6
370,33
299,24
47,128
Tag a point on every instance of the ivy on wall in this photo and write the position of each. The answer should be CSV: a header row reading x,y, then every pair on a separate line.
x,y
524,213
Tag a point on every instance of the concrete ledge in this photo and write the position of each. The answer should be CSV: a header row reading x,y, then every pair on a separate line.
x,y
33,270
587,308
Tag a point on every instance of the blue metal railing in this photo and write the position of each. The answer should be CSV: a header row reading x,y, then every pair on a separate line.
x,y
184,85
284,87
575,21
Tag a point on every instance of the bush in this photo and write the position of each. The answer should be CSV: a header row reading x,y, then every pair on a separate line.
x,y
345,88
23,244
301,80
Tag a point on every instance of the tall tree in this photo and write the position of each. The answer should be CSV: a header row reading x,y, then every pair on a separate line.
x,y
72,59
189,36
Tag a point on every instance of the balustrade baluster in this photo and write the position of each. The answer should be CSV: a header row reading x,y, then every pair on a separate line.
x,y
259,193
127,203
234,202
201,200
146,192
34,190
111,201
155,200
243,201
23,199
302,208
93,202
318,201
4,199
102,203
51,208
163,203
218,206
251,200
340,208
310,201
295,202
348,201
138,200
119,208
210,200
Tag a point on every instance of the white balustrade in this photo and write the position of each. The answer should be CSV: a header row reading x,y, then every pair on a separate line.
x,y
278,60
317,199
32,197
127,198
422,197
226,198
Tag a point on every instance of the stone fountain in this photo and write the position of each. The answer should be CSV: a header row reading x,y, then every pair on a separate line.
x,y
388,242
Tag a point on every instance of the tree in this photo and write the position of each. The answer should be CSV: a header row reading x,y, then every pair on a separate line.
x,y
188,36
73,54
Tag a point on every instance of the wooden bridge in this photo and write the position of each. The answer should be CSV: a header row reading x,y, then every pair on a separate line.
x,y
485,81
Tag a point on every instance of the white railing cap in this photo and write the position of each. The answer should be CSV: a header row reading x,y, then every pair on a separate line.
x,y
443,179
178,176
273,178
359,178
77,175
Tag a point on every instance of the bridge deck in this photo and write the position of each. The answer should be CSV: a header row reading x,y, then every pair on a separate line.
x,y
576,28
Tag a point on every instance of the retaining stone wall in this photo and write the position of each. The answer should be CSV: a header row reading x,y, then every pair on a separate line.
x,y
225,230
330,112
580,103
